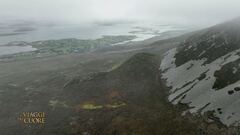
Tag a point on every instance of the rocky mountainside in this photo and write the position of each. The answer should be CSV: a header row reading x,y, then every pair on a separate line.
x,y
128,100
204,72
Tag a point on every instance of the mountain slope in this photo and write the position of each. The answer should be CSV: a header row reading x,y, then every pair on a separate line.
x,y
203,71
129,100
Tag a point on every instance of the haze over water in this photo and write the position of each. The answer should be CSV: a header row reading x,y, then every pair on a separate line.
x,y
29,33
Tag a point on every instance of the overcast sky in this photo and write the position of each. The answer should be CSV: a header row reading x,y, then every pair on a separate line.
x,y
75,11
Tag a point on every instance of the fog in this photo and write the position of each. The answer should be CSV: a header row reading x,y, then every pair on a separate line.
x,y
77,11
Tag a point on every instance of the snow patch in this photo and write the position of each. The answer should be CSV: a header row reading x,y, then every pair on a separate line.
x,y
187,87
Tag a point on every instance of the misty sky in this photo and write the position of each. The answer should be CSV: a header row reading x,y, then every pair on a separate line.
x,y
76,11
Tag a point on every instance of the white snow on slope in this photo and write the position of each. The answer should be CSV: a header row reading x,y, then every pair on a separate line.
x,y
186,87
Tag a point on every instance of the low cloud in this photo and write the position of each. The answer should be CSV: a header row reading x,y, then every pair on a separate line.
x,y
77,11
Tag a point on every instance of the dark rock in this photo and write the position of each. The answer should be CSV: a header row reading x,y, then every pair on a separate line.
x,y
237,88
230,92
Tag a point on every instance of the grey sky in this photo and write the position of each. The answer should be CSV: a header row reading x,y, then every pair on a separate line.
x,y
75,11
